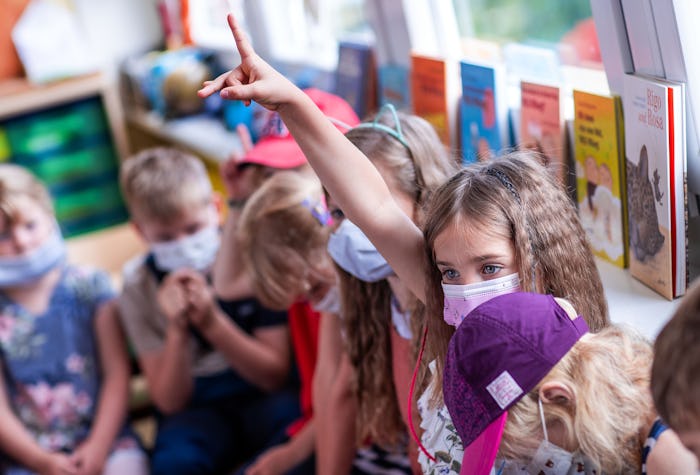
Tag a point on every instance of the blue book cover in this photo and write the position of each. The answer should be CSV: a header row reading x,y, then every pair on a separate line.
x,y
355,75
394,86
481,117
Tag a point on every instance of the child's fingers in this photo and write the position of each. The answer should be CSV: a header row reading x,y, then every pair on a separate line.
x,y
245,49
213,85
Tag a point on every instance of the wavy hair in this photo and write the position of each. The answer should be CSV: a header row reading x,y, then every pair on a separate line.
x,y
516,197
416,169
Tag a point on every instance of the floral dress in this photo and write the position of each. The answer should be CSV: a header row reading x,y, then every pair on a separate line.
x,y
440,437
51,362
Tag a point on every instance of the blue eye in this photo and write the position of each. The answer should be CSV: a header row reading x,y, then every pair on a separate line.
x,y
490,269
450,274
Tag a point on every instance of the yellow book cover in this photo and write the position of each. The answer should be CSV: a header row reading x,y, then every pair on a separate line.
x,y
600,178
429,93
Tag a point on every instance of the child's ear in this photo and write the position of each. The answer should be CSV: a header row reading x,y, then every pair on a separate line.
x,y
135,225
556,392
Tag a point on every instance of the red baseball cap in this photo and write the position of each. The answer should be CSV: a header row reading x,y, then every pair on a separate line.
x,y
276,147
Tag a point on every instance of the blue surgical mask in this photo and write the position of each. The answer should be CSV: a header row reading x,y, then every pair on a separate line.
x,y
196,251
28,267
354,253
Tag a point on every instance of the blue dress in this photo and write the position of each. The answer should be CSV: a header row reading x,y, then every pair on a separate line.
x,y
51,361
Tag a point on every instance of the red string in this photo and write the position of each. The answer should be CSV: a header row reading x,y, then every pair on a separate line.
x,y
410,399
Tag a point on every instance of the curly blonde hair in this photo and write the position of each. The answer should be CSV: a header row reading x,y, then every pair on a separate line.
x,y
281,240
417,169
515,196
611,409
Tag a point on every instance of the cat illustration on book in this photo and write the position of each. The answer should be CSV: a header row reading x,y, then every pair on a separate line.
x,y
645,238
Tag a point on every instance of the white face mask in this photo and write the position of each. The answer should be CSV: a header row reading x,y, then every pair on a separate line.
x,y
354,252
330,303
196,251
460,300
549,460
27,267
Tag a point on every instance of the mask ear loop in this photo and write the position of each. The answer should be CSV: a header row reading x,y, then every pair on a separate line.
x,y
410,400
544,425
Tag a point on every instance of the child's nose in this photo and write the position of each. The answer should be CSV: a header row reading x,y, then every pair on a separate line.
x,y
22,240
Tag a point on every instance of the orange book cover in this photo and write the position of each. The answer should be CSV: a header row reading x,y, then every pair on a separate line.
x,y
429,93
541,124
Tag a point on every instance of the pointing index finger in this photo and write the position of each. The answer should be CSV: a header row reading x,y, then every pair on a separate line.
x,y
244,47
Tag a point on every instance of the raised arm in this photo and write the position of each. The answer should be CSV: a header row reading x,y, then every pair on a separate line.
x,y
347,174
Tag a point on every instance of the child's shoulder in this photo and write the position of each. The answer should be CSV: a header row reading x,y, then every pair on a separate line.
x,y
134,269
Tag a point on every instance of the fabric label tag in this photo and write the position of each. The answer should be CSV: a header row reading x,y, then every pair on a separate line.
x,y
504,389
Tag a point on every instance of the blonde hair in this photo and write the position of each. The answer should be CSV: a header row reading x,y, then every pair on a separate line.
x,y
417,169
17,182
281,238
611,409
160,183
675,373
515,196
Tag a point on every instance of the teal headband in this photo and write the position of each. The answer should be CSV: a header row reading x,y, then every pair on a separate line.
x,y
395,132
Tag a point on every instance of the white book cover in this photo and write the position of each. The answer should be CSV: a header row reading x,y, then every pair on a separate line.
x,y
654,149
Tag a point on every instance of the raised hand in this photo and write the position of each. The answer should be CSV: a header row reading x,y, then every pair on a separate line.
x,y
253,79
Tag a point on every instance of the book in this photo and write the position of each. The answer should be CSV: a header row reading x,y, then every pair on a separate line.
x,y
655,150
483,114
355,78
393,85
541,125
600,179
429,93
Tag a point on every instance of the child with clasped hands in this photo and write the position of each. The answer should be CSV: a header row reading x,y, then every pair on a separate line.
x,y
64,390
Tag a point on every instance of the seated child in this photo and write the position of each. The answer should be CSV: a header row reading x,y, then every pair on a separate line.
x,y
63,397
216,370
675,373
529,387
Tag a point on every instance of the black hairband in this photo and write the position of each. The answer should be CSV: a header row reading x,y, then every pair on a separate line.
x,y
505,181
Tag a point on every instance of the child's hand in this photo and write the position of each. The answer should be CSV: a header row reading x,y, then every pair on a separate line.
x,y
200,300
89,459
253,79
59,464
172,299
274,461
238,180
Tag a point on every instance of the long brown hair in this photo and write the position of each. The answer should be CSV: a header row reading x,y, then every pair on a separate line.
x,y
417,167
515,196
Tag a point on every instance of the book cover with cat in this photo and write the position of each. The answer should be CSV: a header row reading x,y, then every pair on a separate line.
x,y
429,93
541,124
599,161
655,173
482,112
